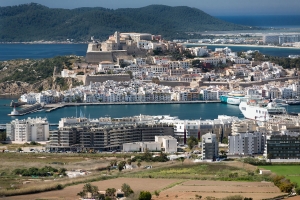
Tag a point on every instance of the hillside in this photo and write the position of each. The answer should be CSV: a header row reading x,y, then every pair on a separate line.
x,y
32,22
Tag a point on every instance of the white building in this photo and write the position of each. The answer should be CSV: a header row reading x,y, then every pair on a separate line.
x,y
168,143
141,146
210,146
246,143
27,130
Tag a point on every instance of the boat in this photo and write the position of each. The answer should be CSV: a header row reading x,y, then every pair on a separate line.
x,y
260,109
233,98
292,102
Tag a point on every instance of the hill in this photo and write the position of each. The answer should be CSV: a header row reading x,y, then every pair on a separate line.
x,y
32,22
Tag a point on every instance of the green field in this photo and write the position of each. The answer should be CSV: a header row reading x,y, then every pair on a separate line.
x,y
291,172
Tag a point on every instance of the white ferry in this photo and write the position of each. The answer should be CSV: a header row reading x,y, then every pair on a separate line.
x,y
233,98
261,110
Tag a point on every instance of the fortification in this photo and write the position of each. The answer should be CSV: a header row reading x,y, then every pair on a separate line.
x,y
102,78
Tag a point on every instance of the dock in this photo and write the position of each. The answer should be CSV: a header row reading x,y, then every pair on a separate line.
x,y
27,110
52,107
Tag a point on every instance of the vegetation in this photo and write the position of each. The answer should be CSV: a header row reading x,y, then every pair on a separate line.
x,y
45,171
92,190
286,63
145,195
33,71
287,170
2,135
126,189
148,157
31,22
191,142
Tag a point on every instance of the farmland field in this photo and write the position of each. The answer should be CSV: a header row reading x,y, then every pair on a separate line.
x,y
291,172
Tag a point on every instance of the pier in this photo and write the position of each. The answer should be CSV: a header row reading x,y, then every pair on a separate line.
x,y
27,110
52,107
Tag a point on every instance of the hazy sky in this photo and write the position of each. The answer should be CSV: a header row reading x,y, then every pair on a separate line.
x,y
212,7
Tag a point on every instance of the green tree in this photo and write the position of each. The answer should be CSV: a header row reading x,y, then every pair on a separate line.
x,y
145,195
126,189
191,142
110,192
121,165
139,164
89,189
156,192
181,159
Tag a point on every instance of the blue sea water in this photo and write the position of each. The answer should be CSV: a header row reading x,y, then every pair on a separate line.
x,y
37,51
277,21
182,111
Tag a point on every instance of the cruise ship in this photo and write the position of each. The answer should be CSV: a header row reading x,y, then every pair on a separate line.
x,y
233,98
261,110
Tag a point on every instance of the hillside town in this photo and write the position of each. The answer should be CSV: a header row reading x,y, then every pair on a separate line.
x,y
125,68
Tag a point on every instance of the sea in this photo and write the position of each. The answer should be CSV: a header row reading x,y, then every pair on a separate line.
x,y
182,111
266,21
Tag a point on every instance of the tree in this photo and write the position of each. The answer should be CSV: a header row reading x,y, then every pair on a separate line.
x,y
145,195
89,189
121,165
252,78
181,159
225,140
129,161
110,192
209,79
297,190
191,142
139,164
126,189
156,193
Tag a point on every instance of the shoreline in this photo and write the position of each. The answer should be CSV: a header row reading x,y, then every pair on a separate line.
x,y
241,45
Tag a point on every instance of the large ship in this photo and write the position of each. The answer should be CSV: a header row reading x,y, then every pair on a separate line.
x,y
261,110
233,98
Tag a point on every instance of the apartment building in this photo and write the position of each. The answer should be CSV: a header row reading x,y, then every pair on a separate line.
x,y
105,137
210,146
283,146
246,143
27,130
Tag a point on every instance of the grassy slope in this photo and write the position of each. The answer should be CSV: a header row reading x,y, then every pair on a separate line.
x,y
291,172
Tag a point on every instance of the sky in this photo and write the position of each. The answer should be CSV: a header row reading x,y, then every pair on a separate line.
x,y
212,7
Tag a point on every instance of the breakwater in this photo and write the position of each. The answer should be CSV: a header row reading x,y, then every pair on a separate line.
x,y
52,107
26,110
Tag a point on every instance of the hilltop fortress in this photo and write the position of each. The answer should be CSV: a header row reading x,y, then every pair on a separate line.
x,y
119,45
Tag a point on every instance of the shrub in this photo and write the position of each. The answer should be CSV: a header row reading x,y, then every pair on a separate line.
x,y
297,190
145,195
126,189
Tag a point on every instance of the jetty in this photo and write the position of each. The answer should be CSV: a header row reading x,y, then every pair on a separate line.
x,y
27,110
52,107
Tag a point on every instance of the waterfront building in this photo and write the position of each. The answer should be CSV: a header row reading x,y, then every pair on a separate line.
x,y
210,147
270,39
27,130
246,143
283,146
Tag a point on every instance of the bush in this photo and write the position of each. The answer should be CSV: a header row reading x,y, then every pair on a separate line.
x,y
297,190
234,197
145,195
59,187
